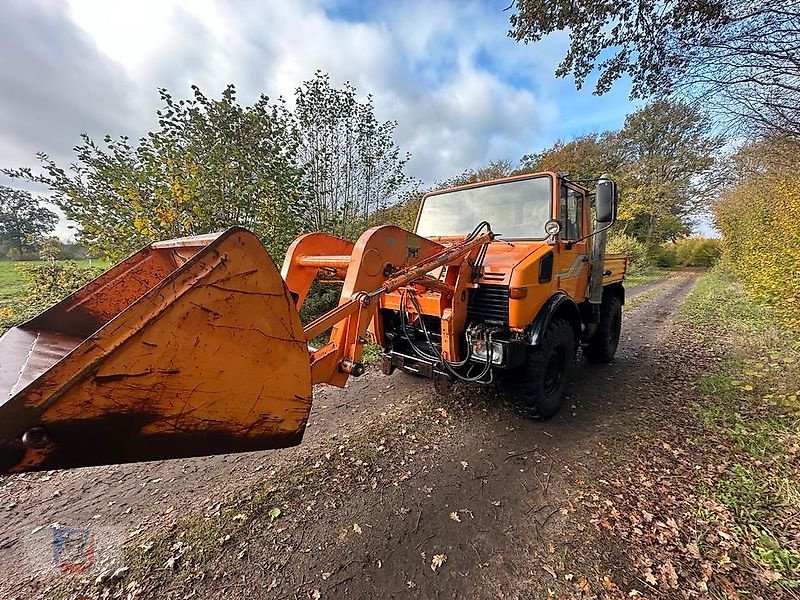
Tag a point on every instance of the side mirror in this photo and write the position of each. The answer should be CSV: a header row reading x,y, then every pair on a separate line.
x,y
605,201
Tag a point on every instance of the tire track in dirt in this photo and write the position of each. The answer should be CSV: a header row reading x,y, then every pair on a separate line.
x,y
633,292
516,480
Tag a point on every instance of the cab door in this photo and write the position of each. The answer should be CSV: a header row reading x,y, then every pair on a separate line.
x,y
573,257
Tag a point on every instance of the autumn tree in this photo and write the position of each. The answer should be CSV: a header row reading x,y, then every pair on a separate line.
x,y
665,152
402,213
50,248
737,56
23,220
496,169
586,157
352,166
209,165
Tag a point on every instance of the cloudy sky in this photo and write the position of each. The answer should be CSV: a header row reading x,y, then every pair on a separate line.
x,y
462,92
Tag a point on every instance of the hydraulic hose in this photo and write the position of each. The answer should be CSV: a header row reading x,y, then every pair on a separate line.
x,y
449,366
439,360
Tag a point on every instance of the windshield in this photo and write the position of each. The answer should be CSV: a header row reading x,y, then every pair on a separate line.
x,y
515,209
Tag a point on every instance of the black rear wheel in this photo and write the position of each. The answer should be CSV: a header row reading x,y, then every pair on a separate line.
x,y
603,345
538,386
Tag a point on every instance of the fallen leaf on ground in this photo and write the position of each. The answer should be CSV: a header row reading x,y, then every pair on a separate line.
x,y
608,583
670,575
438,561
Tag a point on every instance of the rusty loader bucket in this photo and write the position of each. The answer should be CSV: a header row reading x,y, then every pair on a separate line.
x,y
189,347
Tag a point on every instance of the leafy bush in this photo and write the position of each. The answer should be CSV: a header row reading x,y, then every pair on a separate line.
x,y
697,252
7,319
321,298
621,243
403,214
688,252
666,255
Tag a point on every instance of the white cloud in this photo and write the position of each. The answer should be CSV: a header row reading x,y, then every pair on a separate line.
x,y
55,83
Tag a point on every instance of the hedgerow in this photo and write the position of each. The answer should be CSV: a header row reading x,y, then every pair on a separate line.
x,y
688,252
760,221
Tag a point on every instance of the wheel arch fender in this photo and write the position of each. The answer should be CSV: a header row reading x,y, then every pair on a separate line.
x,y
558,305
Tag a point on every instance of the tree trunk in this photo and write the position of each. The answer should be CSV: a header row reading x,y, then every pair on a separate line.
x,y
650,230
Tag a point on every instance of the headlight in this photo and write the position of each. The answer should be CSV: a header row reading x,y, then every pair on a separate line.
x,y
479,348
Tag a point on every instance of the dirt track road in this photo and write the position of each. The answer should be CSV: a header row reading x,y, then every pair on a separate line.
x,y
392,477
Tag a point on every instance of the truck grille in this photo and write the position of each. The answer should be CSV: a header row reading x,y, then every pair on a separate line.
x,y
494,277
489,303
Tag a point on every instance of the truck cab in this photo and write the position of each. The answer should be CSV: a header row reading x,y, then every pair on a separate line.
x,y
543,287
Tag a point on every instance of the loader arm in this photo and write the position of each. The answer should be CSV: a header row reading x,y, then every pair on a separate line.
x,y
384,259
194,347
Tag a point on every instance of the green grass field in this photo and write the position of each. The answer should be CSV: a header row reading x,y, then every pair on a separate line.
x,y
12,285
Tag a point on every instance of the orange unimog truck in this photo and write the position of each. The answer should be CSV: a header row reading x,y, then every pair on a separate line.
x,y
194,346
544,286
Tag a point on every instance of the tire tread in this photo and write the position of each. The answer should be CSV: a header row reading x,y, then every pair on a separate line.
x,y
524,385
601,348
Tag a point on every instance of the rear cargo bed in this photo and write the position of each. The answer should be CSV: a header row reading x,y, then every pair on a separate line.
x,y
614,268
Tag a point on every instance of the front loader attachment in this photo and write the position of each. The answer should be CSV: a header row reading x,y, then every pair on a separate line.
x,y
189,347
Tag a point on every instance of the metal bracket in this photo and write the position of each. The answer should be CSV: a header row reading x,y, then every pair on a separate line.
x,y
442,383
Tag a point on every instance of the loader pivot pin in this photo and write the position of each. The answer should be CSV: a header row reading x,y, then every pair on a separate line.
x,y
356,369
36,437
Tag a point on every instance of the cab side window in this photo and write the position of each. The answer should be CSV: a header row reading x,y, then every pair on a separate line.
x,y
571,213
